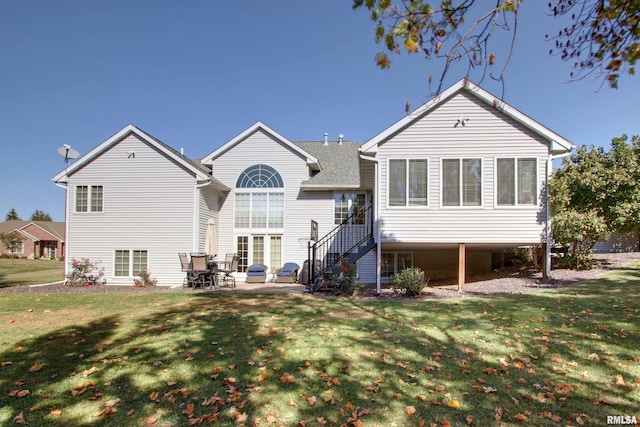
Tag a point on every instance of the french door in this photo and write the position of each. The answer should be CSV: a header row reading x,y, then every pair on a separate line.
x,y
263,249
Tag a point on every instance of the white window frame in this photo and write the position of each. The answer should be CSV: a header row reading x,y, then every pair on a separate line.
x,y
515,184
461,204
131,259
90,188
266,250
407,183
395,262
268,209
350,204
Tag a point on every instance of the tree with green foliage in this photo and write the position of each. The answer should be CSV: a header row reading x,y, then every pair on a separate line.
x,y
39,215
601,37
11,240
595,194
11,215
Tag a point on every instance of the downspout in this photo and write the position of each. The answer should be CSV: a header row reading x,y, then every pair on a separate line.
x,y
66,226
376,220
376,223
196,214
547,253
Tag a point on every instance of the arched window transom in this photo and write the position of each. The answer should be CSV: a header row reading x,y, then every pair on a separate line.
x,y
259,176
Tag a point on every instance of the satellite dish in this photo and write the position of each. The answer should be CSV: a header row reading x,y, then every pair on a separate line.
x,y
68,153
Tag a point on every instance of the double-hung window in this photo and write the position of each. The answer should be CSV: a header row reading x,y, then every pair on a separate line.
x,y
462,182
89,198
128,263
516,180
407,182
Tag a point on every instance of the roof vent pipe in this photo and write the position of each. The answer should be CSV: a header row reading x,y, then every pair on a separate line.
x,y
182,151
340,138
326,138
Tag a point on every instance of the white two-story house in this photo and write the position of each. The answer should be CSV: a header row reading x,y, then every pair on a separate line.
x,y
446,189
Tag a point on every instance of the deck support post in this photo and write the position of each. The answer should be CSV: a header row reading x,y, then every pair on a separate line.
x,y
462,261
545,260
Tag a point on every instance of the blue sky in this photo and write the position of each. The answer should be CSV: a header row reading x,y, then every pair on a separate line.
x,y
196,73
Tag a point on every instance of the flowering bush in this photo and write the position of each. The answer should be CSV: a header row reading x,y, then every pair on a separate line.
x,y
144,279
84,273
345,280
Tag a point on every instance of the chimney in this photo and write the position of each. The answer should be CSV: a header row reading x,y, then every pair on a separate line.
x,y
326,138
340,138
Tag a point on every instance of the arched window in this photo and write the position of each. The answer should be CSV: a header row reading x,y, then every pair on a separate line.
x,y
259,176
259,216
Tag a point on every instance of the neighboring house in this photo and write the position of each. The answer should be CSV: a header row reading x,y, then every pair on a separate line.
x,y
39,239
620,242
446,188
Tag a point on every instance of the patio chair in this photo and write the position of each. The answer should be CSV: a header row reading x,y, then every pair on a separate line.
x,y
203,275
288,273
226,269
257,273
185,263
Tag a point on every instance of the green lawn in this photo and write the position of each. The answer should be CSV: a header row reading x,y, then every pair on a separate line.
x,y
14,272
567,357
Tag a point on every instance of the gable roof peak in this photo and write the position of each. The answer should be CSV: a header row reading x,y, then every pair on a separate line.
x,y
557,144
312,162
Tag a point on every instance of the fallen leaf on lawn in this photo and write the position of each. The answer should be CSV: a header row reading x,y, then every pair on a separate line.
x,y
605,400
497,414
594,356
130,412
190,409
112,402
564,388
620,380
153,396
262,376
321,421
6,363
172,383
520,417
105,411
18,393
421,397
410,410
151,421
453,404
89,371
36,367
470,420
271,419
312,400
20,419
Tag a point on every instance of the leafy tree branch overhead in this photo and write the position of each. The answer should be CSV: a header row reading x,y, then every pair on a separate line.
x,y
601,38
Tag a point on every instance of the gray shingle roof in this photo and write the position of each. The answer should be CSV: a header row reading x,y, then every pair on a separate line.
x,y
339,164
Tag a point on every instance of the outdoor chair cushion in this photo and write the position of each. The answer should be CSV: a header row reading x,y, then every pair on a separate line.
x,y
288,268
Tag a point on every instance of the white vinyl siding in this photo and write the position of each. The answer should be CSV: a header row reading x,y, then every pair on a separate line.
x,y
487,135
151,203
298,207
